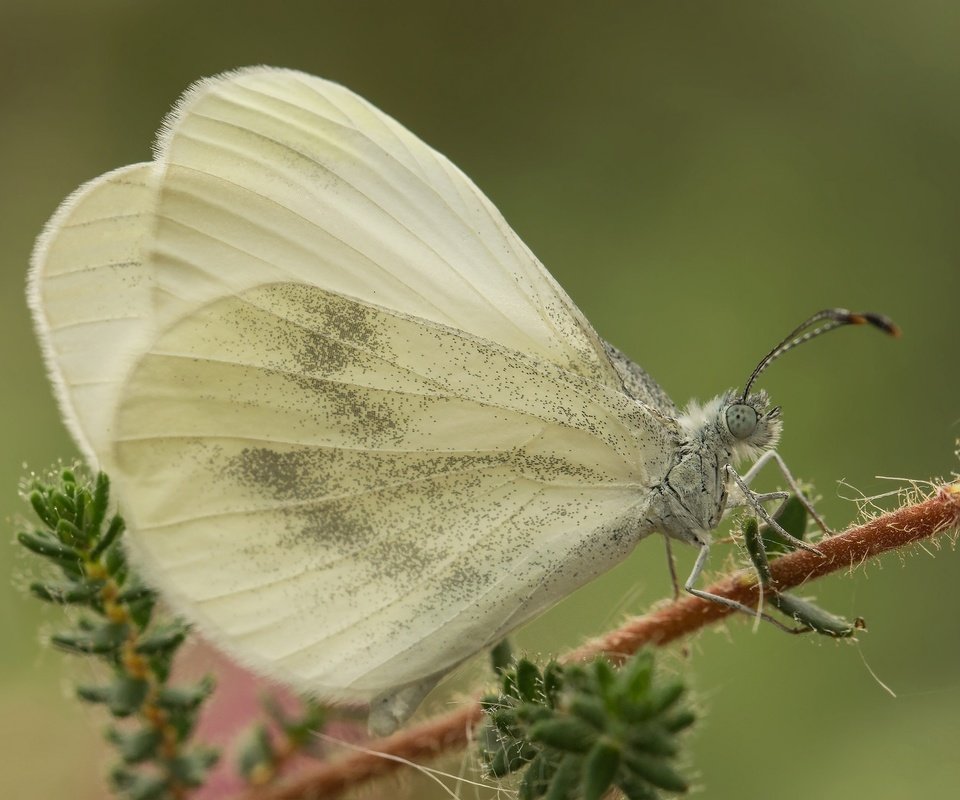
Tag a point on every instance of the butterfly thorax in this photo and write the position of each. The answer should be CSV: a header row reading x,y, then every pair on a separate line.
x,y
692,496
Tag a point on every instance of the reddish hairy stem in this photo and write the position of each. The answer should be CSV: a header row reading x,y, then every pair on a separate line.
x,y
451,731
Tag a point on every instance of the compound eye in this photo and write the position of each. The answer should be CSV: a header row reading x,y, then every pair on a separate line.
x,y
741,420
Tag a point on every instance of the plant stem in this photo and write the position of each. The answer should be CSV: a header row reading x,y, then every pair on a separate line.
x,y
433,737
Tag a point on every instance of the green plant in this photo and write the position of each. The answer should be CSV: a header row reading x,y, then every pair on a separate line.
x,y
577,730
87,570
266,751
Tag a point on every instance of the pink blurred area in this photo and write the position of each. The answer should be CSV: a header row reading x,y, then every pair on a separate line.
x,y
236,706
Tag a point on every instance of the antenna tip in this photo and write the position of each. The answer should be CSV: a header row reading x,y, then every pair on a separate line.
x,y
880,321
885,324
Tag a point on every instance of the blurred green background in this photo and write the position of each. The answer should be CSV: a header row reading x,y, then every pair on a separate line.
x,y
699,177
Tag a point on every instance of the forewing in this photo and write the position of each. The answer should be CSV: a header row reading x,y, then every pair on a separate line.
x,y
274,175
356,498
90,295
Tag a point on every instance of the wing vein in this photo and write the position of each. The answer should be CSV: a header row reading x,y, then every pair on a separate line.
x,y
288,173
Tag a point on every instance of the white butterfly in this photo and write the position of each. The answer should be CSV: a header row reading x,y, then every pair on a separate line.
x,y
358,431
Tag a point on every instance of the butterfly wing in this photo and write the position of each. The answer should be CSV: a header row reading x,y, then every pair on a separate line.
x,y
90,294
356,498
364,433
273,175
639,384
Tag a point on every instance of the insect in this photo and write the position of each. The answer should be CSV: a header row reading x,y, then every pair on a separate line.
x,y
358,430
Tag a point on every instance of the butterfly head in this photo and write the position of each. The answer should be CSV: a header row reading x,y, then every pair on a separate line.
x,y
733,426
750,424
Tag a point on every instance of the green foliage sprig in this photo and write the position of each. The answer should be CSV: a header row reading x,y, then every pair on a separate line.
x,y
265,752
579,729
116,626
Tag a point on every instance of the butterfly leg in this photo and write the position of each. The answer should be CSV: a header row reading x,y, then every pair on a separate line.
x,y
773,455
690,586
389,710
671,564
756,501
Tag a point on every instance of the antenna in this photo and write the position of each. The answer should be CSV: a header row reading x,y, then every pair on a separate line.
x,y
835,318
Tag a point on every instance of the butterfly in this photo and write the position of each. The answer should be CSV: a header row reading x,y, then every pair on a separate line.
x,y
358,431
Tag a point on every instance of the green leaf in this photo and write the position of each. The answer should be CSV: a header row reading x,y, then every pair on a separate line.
x,y
755,548
528,680
599,769
553,682
564,733
70,534
537,777
101,639
79,521
529,713
590,710
501,656
575,677
62,505
634,789
491,702
101,498
314,718
499,763
141,609
792,517
255,751
665,695
509,757
137,746
680,720
161,641
127,695
566,779
634,677
185,697
94,694
191,769
117,526
140,785
648,739
136,592
604,676
811,615
68,592
655,771
47,545
503,718
115,561
41,508
183,721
